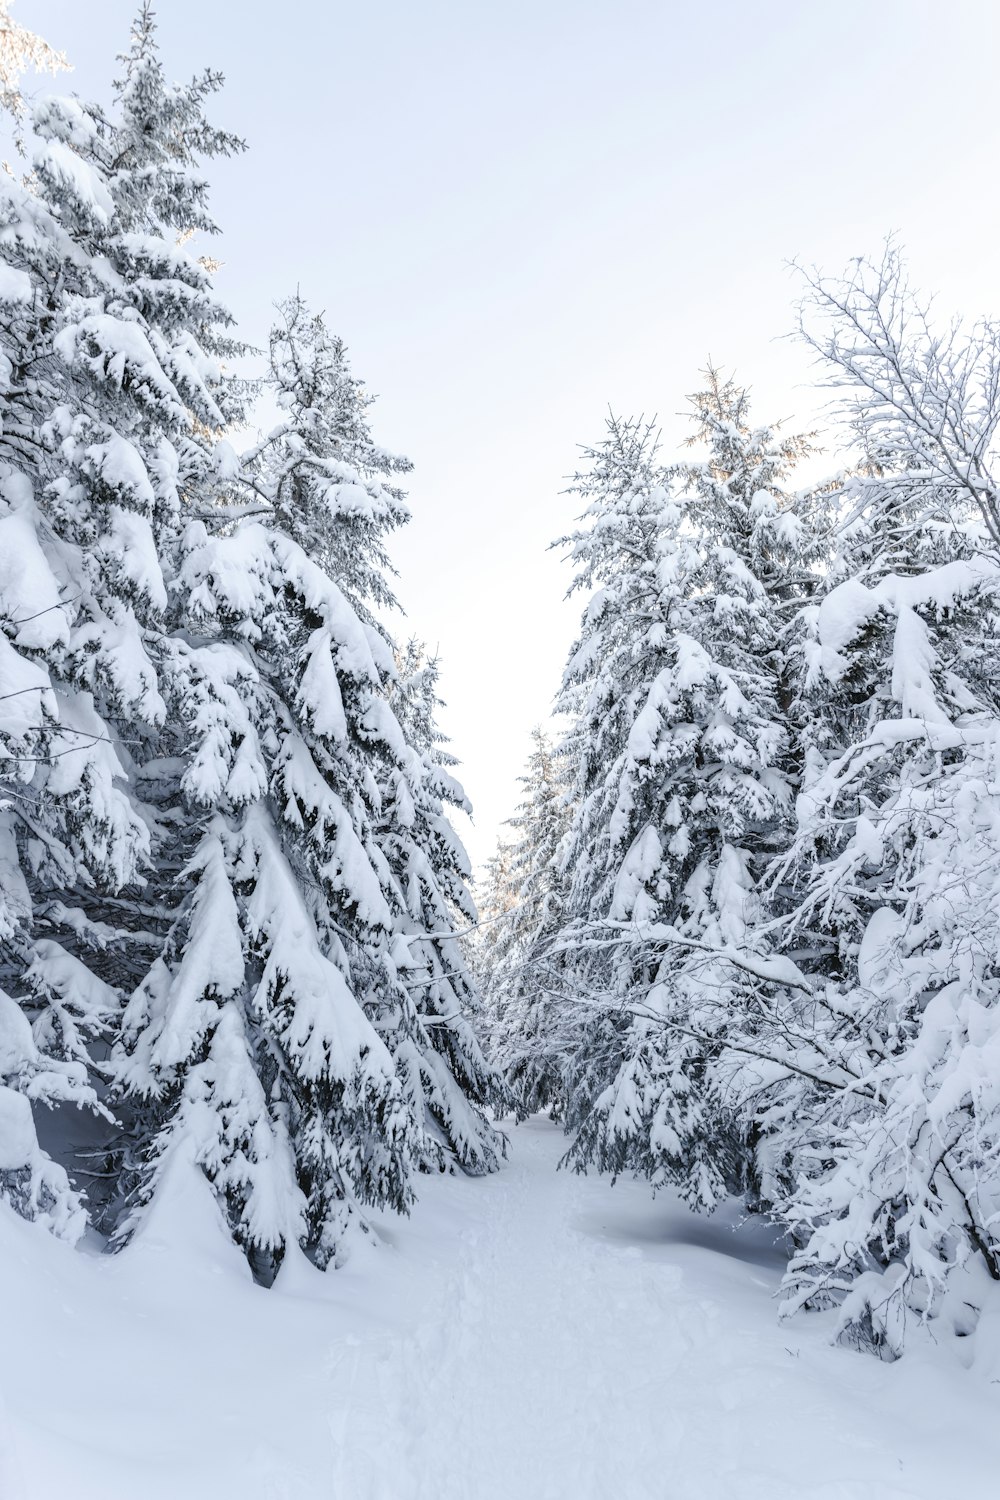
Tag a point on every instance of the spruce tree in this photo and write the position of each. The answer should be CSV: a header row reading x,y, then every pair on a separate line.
x,y
532,1030
891,1167
336,491
431,1032
684,775
335,1057
112,394
221,852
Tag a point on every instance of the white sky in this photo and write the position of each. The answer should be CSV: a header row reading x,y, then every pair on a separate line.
x,y
518,213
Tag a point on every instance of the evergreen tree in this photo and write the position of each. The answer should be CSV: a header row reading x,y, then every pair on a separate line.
x,y
684,776
888,1114
334,489
112,394
615,555
890,1167
21,49
497,900
209,804
335,1056
531,1027
432,1037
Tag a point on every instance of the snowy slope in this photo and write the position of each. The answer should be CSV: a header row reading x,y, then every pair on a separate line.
x,y
534,1334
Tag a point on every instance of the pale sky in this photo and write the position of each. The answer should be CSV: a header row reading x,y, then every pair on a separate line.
x,y
518,214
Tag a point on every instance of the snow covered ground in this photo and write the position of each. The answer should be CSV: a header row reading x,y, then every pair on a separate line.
x,y
534,1335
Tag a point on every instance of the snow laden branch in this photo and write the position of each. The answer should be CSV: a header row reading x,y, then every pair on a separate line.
x,y
775,969
921,395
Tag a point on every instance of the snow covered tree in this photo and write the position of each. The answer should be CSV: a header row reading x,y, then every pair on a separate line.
x,y
888,1111
430,1031
821,984
109,403
683,780
496,900
209,805
532,1030
615,555
321,1052
334,489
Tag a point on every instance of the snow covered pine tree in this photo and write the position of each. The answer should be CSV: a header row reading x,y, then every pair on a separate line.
x,y
532,1030
209,787
105,388
341,1058
683,779
891,1117
432,1039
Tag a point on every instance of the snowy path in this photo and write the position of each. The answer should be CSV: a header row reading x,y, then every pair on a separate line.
x,y
535,1336
538,1359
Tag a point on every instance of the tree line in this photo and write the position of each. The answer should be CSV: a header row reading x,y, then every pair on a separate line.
x,y
744,937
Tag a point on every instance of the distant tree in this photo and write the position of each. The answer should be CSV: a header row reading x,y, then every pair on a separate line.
x,y
532,1030
430,1031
